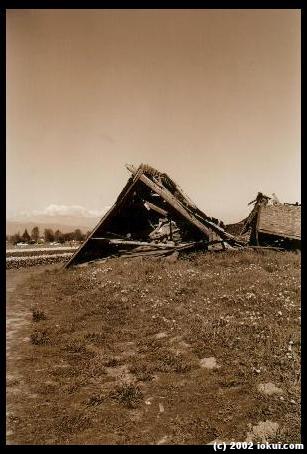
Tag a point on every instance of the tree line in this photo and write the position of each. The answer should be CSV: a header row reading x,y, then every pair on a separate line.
x,y
48,236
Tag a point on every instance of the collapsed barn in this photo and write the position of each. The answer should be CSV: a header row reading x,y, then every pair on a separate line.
x,y
272,223
153,217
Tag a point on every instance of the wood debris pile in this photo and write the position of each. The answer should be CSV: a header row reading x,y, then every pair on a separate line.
x,y
272,223
153,217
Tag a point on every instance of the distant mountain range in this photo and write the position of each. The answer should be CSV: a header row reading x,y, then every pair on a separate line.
x,y
63,223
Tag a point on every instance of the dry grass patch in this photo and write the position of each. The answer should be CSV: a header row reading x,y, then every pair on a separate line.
x,y
122,338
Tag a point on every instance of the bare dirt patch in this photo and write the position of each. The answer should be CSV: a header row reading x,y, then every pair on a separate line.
x,y
116,356
18,326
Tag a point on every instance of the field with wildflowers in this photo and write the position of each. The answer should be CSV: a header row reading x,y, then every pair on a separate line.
x,y
152,352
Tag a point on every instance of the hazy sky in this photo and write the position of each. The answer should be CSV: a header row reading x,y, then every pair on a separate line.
x,y
212,97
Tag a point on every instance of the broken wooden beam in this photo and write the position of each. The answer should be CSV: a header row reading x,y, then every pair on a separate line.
x,y
154,207
203,225
134,243
273,248
120,199
171,199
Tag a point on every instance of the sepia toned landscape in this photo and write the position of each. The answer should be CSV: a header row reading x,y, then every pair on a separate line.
x,y
153,228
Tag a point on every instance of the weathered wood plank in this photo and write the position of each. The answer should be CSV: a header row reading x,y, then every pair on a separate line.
x,y
154,207
204,225
266,247
169,198
134,243
122,196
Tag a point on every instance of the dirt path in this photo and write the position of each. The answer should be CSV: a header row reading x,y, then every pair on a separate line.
x,y
18,318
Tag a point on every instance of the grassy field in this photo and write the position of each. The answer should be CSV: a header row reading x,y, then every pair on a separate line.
x,y
153,352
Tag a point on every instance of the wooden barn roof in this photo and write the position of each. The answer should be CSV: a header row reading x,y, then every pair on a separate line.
x,y
168,191
280,220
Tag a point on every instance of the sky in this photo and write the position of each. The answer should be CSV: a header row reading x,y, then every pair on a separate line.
x,y
211,97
